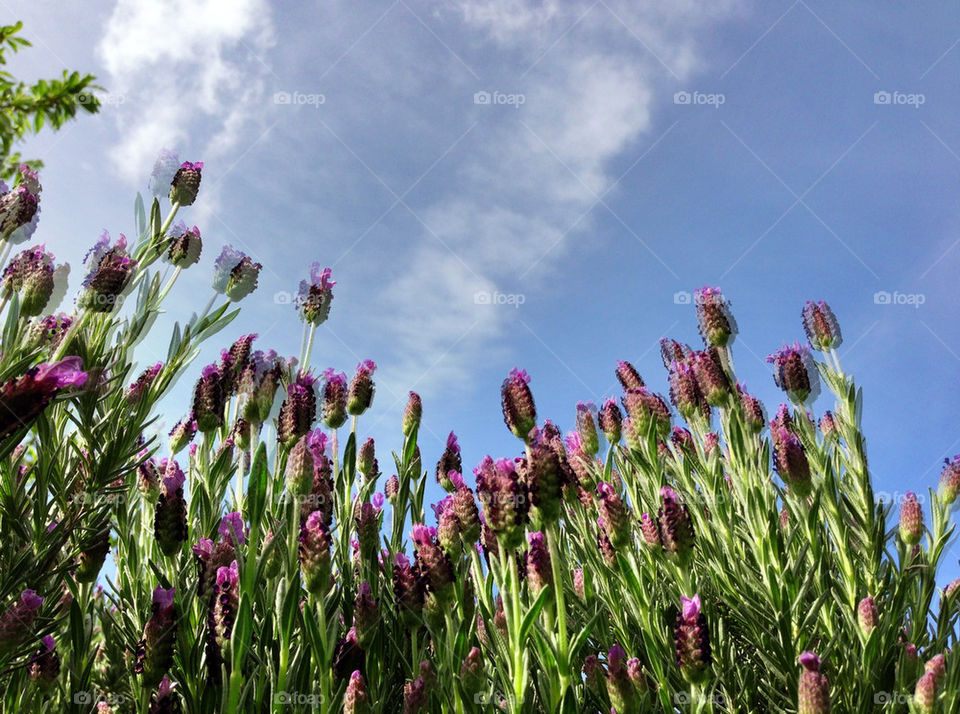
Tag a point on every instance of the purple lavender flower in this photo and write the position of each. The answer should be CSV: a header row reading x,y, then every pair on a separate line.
x,y
813,691
45,664
647,412
821,326
315,559
314,297
300,468
368,528
186,183
790,461
18,208
619,686
356,700
949,485
24,398
464,507
613,513
361,389
676,528
209,399
209,559
137,389
672,351
365,615
650,529
164,169
154,655
408,589
334,398
587,428
519,411
539,573
592,673
925,694
415,696
182,434
867,615
108,274
716,323
610,419
754,416
449,462
685,392
628,376
31,275
164,701
543,477
16,622
433,563
232,528
298,411
471,671
713,380
224,611
366,458
794,372
911,519
692,641
170,519
235,274
412,414
185,246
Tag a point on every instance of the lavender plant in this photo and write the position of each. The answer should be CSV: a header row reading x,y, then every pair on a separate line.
x,y
696,558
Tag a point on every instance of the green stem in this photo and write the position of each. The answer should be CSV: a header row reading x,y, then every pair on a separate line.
x,y
563,654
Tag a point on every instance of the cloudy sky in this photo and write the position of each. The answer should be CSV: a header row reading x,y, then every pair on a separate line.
x,y
509,182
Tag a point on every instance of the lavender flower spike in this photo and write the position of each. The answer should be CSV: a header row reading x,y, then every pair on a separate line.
x,y
186,183
314,296
794,372
519,411
235,274
692,641
813,691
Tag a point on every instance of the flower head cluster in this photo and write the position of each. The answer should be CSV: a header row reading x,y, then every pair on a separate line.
x,y
109,269
519,411
235,274
31,274
315,295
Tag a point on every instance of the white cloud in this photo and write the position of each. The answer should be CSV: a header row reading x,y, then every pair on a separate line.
x,y
193,72
589,99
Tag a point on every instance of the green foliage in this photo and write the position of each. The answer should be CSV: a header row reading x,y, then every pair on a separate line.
x,y
26,109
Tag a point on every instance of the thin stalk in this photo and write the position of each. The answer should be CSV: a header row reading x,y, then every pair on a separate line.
x,y
563,657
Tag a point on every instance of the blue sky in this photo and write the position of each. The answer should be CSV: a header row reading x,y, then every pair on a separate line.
x,y
587,190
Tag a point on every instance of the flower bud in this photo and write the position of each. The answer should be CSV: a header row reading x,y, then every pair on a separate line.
x,y
274,561
154,654
685,392
391,489
299,471
226,598
209,560
449,461
298,411
713,380
368,529
471,671
790,461
334,398
794,372
356,700
16,622
672,351
692,641
209,400
592,673
504,499
314,296
18,207
647,411
408,589
867,615
650,530
315,561
164,701
619,687
434,563
148,478
821,326
45,664
813,691
92,556
754,417
714,320
366,458
415,696
613,512
610,420
32,275
578,583
911,519
108,273
604,545
412,414
925,694
828,425
519,411
937,666
365,615
676,528
235,274
628,376
539,574
587,428
468,516
170,519
361,389
542,474
186,183
950,481
185,246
